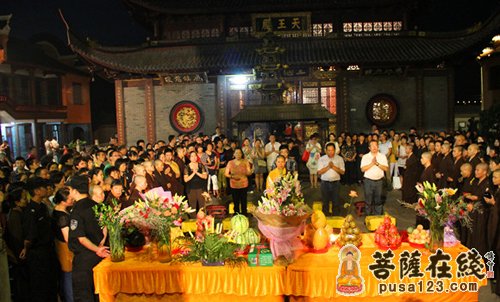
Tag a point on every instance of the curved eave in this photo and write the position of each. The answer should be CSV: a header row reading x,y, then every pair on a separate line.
x,y
240,6
402,48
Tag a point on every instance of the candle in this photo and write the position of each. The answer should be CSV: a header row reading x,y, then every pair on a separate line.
x,y
333,238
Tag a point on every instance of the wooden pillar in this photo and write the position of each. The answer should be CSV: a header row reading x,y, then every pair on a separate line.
x,y
451,100
419,97
150,110
221,105
120,112
343,104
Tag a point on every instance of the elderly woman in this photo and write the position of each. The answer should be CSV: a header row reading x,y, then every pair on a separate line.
x,y
237,171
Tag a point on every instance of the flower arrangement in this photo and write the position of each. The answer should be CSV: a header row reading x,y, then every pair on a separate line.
x,y
441,207
213,248
154,211
107,216
284,198
281,216
155,214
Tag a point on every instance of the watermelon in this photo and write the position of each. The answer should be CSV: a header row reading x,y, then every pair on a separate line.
x,y
252,236
240,239
239,223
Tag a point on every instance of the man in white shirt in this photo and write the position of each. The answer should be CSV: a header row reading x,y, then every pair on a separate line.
x,y
272,151
374,165
330,168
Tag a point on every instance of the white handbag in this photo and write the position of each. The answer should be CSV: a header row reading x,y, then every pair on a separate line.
x,y
396,182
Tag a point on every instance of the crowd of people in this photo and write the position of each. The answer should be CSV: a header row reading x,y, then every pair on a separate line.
x,y
47,219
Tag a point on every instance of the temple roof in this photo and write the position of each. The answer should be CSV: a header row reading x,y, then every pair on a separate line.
x,y
337,49
291,112
172,7
23,53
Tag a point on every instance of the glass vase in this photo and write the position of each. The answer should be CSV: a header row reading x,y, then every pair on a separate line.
x,y
436,236
164,245
116,243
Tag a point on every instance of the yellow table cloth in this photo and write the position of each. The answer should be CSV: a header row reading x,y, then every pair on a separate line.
x,y
138,279
312,277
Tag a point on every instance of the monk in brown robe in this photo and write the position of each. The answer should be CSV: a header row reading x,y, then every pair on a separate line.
x,y
411,176
473,153
477,237
173,184
493,224
429,176
458,161
444,173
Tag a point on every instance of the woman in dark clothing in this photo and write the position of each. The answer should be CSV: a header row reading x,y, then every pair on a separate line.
x,y
18,199
116,193
361,149
60,227
411,176
348,152
195,177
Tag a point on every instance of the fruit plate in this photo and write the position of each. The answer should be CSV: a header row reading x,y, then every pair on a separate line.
x,y
336,243
386,247
416,245
404,235
321,251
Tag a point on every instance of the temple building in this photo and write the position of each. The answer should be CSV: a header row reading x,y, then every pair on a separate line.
x,y
300,67
40,96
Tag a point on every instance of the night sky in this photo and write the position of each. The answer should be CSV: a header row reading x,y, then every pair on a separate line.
x,y
110,23
106,21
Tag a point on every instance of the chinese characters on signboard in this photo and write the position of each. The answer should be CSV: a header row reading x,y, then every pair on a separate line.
x,y
467,263
282,23
184,78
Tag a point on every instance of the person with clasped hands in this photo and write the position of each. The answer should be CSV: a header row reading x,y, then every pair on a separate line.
x,y
330,167
374,164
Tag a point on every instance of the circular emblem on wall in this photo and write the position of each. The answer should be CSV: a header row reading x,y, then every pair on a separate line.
x,y
382,110
186,117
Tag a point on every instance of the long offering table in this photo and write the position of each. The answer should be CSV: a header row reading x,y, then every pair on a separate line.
x,y
137,279
312,277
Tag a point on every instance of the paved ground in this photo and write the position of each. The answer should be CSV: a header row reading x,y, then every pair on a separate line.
x,y
405,217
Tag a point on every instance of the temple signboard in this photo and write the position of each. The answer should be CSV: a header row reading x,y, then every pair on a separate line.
x,y
184,78
282,23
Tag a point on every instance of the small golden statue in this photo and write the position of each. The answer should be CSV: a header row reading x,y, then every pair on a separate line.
x,y
349,279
